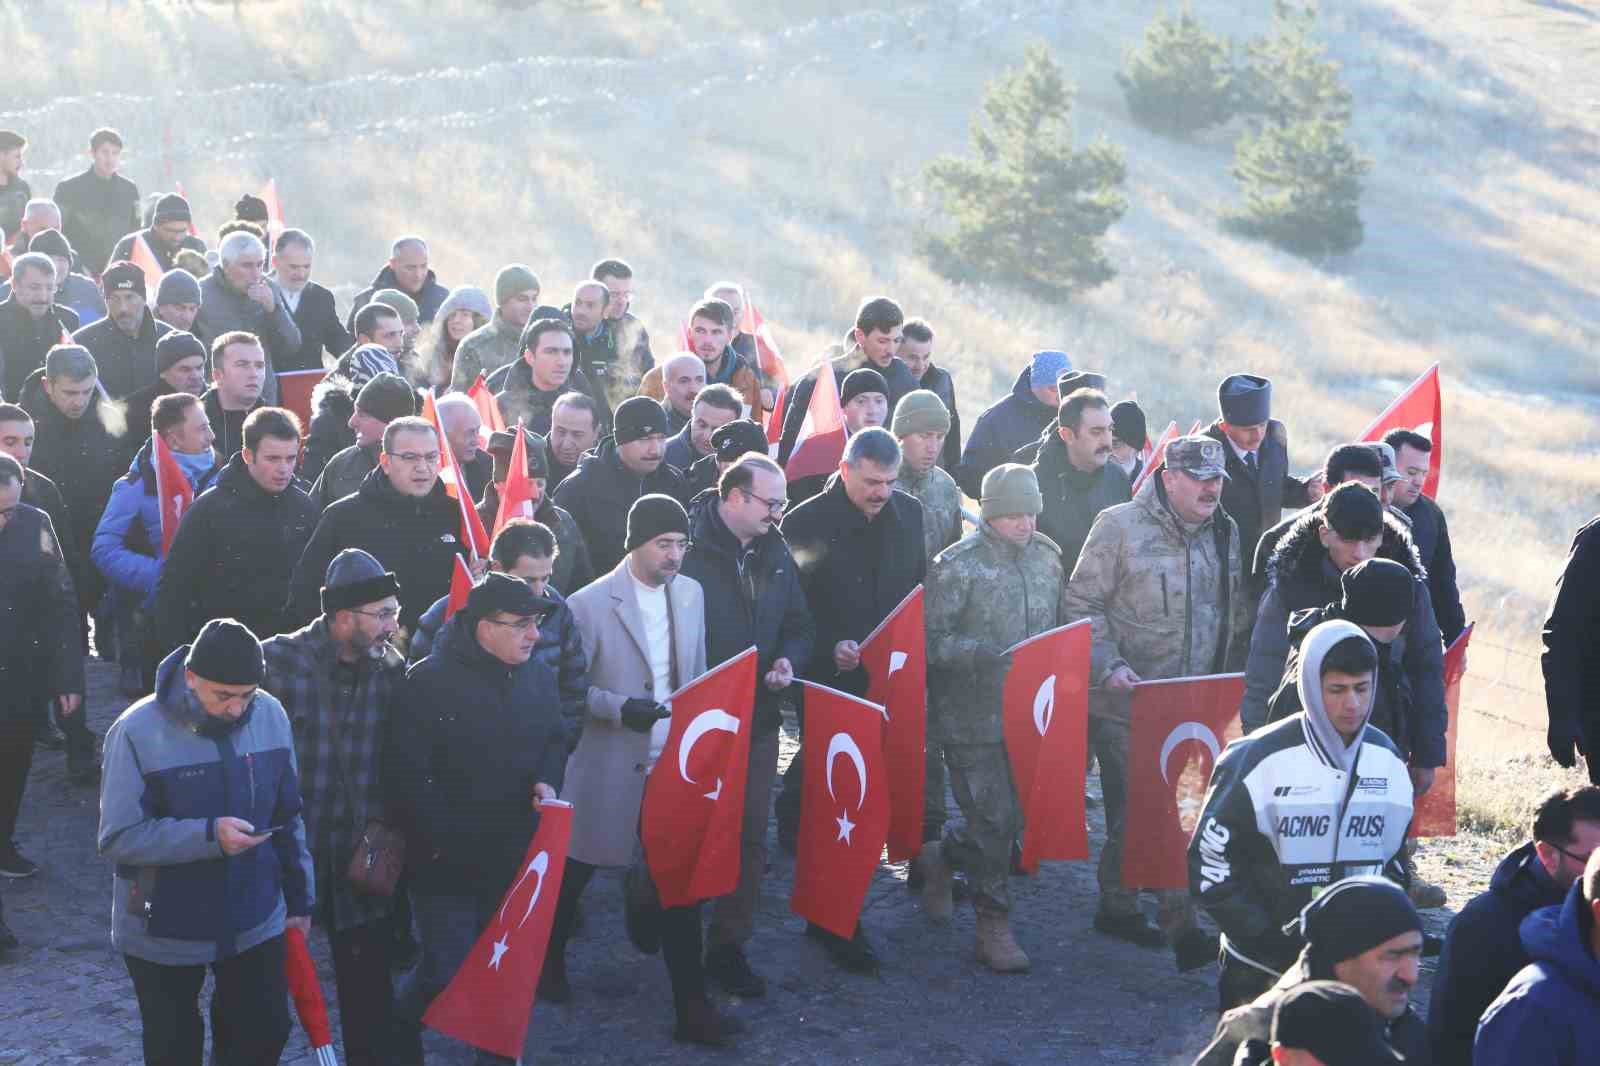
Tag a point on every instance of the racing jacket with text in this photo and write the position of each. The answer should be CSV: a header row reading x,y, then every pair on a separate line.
x,y
1283,820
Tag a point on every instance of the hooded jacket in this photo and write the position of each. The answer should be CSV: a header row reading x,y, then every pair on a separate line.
x,y
126,363
486,349
416,538
1010,422
599,493
1550,1012
232,557
1074,499
1483,951
1292,809
429,298
333,401
468,739
1302,576
170,772
753,595
127,542
521,401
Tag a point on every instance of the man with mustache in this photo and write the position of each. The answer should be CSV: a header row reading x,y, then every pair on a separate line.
x,y
1159,579
338,679
1075,474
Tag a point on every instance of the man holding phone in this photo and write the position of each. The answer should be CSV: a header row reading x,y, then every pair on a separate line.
x,y
200,812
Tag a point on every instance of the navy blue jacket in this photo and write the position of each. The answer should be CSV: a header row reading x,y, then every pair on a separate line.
x,y
1549,1015
1011,422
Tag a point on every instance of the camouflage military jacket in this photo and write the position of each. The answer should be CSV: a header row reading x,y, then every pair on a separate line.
x,y
983,591
941,506
1149,588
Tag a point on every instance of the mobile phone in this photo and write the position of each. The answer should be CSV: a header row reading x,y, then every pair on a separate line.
x,y
270,830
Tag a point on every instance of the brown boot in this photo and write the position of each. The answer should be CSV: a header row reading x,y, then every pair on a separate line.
x,y
997,948
936,900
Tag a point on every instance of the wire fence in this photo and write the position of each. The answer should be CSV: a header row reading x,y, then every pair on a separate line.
x,y
1504,685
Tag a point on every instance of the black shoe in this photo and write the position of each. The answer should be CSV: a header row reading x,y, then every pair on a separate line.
x,y
1134,928
14,866
727,966
1194,948
701,1023
553,986
50,738
854,955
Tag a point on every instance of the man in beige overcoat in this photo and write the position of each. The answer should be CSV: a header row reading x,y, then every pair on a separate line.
x,y
643,630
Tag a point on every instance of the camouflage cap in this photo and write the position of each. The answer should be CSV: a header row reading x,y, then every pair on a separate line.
x,y
1198,456
1386,460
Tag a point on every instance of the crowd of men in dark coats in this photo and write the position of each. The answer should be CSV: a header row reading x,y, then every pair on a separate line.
x,y
308,693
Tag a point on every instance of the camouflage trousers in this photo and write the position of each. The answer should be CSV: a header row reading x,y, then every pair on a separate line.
x,y
980,844
1108,741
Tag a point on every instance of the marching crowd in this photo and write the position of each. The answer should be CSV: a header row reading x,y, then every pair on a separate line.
x,y
322,733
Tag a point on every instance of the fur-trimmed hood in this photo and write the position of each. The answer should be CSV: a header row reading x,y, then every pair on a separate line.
x,y
1300,553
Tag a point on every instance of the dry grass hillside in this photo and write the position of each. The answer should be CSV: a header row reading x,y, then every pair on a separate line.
x,y
780,143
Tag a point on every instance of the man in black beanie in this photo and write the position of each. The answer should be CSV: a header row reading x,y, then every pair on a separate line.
x,y
384,398
864,396
1130,436
1256,450
232,862
623,467
124,342
167,234
1362,931
1327,1023
180,365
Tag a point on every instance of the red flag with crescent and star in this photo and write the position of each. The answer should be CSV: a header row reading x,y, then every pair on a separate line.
x,y
1046,724
487,1003
895,657
1177,729
819,445
174,494
693,808
1435,814
1420,409
844,809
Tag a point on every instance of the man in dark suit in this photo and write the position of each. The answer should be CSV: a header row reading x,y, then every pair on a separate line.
x,y
1256,455
311,305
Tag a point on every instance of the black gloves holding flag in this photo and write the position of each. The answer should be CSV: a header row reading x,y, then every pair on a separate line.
x,y
640,714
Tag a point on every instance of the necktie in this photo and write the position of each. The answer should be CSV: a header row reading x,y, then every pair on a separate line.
x,y
1250,461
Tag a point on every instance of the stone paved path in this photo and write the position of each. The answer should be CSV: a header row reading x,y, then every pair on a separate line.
x,y
66,998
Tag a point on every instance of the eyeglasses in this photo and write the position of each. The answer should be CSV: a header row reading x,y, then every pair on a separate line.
x,y
1581,860
430,458
526,625
774,506
385,614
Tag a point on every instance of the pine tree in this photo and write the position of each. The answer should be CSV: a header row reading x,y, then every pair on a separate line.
x,y
1287,77
1181,78
1027,208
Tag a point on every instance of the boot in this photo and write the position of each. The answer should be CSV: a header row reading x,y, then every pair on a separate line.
x,y
1424,894
702,1023
1193,947
936,882
997,948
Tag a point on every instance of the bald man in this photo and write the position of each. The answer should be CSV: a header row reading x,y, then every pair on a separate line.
x,y
462,423
684,375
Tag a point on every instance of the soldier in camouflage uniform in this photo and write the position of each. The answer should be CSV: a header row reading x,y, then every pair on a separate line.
x,y
1159,580
998,586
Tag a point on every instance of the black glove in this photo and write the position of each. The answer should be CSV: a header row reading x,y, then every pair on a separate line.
x,y
989,657
640,714
1564,746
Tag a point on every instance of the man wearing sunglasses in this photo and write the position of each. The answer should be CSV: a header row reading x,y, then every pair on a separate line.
x,y
1482,950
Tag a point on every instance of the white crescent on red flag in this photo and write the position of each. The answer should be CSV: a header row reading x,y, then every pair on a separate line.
x,y
1046,725
693,808
1435,814
895,657
819,445
1157,454
174,494
1177,729
844,808
487,1003
1420,409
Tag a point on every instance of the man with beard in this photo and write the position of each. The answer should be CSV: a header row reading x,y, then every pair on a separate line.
x,y
167,234
14,192
630,335
322,333
498,341
124,342
593,347
574,430
711,325
338,680
714,407
1075,474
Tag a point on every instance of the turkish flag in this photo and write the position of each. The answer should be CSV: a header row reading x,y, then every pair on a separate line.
x,y
517,498
775,421
491,421
460,588
294,391
174,494
1189,716
300,973
1420,409
486,1004
693,808
142,257
820,443
269,196
1046,724
1196,428
1435,814
844,809
895,657
1157,453
473,535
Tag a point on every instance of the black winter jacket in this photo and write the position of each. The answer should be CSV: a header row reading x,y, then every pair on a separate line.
x,y
1483,952
1571,637
519,401
39,491
428,300
232,556
1431,533
95,213
468,740
415,538
25,341
897,375
126,363
41,646
84,460
1010,422
599,493
753,596
1073,499
854,572
124,248
332,403
320,330
1256,500
227,425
